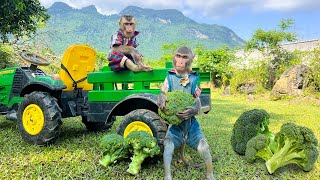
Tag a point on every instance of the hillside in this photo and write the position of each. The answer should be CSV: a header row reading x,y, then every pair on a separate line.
x,y
68,26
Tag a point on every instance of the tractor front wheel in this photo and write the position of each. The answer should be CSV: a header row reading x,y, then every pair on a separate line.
x,y
39,118
143,120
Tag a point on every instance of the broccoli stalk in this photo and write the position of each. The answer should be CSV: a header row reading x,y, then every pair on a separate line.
x,y
295,145
142,145
114,149
136,161
248,125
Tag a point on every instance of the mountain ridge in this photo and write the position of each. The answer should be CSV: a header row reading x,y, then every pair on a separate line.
x,y
69,26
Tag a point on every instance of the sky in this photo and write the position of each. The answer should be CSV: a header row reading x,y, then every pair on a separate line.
x,y
244,17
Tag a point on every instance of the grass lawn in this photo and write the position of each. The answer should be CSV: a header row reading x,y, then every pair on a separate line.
x,y
76,153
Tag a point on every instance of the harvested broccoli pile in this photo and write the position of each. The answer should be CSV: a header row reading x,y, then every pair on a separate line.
x,y
178,100
114,148
248,125
295,145
142,145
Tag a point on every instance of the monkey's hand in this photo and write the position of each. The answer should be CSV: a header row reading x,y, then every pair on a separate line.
x,y
187,113
190,110
139,56
162,100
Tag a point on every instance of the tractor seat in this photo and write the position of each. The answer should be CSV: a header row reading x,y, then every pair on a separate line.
x,y
78,60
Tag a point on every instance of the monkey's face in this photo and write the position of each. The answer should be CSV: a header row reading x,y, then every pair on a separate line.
x,y
127,25
181,61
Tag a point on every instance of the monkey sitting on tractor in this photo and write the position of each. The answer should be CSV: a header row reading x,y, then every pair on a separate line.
x,y
123,54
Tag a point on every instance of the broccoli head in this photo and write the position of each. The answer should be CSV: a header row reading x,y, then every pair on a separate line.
x,y
295,145
178,100
114,148
142,145
259,147
247,126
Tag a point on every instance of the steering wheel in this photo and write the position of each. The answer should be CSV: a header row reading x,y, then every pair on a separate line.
x,y
35,59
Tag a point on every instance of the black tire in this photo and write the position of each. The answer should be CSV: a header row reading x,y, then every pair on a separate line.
x,y
97,126
51,112
150,118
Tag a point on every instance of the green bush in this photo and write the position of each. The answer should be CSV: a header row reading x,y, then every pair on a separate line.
x,y
6,56
314,80
216,61
255,73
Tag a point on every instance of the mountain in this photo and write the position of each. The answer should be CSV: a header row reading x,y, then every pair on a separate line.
x,y
68,26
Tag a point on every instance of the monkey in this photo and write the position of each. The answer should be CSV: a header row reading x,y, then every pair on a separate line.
x,y
181,77
123,54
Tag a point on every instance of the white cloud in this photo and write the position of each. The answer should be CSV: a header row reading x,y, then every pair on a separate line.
x,y
194,8
291,5
108,7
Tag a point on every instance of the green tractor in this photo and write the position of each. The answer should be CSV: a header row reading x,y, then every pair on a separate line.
x,y
38,102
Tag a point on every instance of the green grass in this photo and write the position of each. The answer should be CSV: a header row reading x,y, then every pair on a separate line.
x,y
76,153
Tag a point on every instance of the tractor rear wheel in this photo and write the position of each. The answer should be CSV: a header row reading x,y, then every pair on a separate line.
x,y
143,120
97,126
39,118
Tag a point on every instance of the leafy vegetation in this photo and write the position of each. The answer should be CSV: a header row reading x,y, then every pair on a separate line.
x,y
269,44
218,62
178,100
114,148
77,153
314,80
20,18
142,145
259,147
295,145
6,56
248,125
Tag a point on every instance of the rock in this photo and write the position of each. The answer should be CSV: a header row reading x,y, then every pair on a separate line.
x,y
226,91
247,88
291,82
250,97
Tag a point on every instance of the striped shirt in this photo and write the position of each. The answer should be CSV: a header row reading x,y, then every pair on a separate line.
x,y
115,58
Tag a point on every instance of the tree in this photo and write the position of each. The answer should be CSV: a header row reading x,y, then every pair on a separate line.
x,y
216,61
6,53
269,44
20,18
170,48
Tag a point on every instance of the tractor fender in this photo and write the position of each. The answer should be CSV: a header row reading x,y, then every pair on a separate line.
x,y
133,102
41,86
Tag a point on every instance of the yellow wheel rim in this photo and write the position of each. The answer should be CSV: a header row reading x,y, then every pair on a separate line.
x,y
33,119
137,126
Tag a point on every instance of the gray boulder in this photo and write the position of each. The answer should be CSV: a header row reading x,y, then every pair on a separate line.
x,y
291,82
247,88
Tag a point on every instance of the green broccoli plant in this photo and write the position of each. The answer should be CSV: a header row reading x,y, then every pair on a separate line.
x,y
142,145
260,146
295,145
248,125
178,100
114,148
